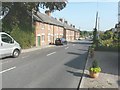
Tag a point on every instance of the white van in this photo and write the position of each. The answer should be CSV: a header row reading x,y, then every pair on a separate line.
x,y
8,46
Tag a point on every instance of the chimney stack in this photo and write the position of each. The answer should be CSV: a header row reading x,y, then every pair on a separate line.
x,y
65,22
71,25
61,19
48,12
74,26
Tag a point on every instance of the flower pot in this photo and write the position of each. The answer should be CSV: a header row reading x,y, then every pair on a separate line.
x,y
93,74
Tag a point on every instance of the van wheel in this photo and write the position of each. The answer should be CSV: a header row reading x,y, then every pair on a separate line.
x,y
16,53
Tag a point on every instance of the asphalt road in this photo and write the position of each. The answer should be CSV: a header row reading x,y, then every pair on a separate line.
x,y
54,67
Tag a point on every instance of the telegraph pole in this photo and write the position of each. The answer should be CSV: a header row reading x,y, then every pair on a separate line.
x,y
95,35
98,26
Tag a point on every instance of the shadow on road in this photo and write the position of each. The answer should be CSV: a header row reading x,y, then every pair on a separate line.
x,y
108,61
82,49
77,63
6,57
75,73
74,53
81,42
78,74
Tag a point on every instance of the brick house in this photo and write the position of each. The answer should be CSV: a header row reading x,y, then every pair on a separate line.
x,y
70,32
47,29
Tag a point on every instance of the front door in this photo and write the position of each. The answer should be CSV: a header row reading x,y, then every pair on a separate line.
x,y
38,40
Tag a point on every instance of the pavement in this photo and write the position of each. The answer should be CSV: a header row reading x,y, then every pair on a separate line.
x,y
36,48
108,78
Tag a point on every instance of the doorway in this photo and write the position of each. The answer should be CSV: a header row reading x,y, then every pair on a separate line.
x,y
38,40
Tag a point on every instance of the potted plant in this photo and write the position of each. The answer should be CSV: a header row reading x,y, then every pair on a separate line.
x,y
94,70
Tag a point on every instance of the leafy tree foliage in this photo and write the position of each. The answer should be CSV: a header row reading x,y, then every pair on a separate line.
x,y
18,21
52,6
107,35
109,39
85,33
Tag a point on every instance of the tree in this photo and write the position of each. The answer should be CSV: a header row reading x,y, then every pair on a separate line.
x,y
52,6
19,18
90,33
109,34
18,9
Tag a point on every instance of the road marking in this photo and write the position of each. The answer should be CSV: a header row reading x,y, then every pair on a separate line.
x,y
51,53
66,47
7,70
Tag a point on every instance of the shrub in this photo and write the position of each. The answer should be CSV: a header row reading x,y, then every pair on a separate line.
x,y
109,40
24,38
93,46
95,67
94,64
95,70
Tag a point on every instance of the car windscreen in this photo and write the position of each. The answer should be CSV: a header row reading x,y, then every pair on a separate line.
x,y
57,38
62,39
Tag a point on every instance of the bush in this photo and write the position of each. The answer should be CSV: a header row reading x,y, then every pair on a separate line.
x,y
93,46
108,44
109,40
24,38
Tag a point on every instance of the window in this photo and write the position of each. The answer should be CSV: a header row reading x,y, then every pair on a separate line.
x,y
49,37
43,26
61,36
43,37
6,39
49,27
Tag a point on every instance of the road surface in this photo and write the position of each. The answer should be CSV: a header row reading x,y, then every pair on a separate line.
x,y
54,67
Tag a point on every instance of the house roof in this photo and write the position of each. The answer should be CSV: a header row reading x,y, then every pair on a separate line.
x,y
50,20
46,19
36,18
66,26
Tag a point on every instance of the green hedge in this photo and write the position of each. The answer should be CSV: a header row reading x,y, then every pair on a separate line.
x,y
108,45
26,39
104,48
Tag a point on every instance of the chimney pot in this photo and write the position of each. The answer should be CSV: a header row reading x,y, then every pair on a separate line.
x,y
48,12
61,19
66,22
74,26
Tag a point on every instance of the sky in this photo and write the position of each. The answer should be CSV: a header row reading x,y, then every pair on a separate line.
x,y
83,14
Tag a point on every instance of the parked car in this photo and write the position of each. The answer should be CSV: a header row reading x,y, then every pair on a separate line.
x,y
8,46
60,41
